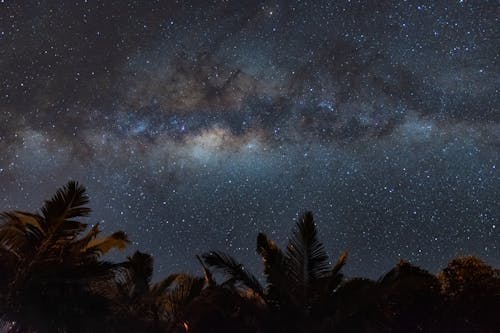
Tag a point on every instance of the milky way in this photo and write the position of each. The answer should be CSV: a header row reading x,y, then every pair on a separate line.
x,y
196,124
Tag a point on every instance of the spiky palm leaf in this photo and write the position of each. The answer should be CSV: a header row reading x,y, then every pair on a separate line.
x,y
21,233
159,289
92,247
329,283
275,271
306,257
187,288
101,246
139,272
84,241
209,278
235,271
67,203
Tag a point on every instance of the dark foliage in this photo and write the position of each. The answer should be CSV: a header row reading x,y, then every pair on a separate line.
x,y
53,279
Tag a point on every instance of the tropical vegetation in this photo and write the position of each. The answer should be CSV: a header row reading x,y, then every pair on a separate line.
x,y
54,278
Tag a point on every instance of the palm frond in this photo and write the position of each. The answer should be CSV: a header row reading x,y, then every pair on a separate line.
x,y
275,269
101,246
209,278
68,230
233,269
83,243
20,232
67,203
139,271
306,255
335,277
341,261
23,218
187,288
159,288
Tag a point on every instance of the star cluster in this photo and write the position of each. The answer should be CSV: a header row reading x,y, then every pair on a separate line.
x,y
197,124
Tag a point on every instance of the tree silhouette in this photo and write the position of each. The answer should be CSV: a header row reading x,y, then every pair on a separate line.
x,y
405,299
299,279
358,308
237,274
412,297
471,289
140,305
53,279
45,267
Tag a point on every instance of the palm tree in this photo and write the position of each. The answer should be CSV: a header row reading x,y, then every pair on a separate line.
x,y
223,308
45,266
238,275
236,305
300,280
140,305
308,277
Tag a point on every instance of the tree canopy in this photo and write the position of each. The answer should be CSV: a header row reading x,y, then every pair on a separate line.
x,y
54,279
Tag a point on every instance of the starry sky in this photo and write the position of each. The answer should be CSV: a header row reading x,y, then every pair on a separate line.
x,y
195,125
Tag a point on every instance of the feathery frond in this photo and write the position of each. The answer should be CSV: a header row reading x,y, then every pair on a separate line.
x,y
275,268
20,232
187,288
100,246
67,203
139,270
335,276
236,272
209,279
159,288
307,257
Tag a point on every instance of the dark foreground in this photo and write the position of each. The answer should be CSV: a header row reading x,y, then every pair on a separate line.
x,y
53,279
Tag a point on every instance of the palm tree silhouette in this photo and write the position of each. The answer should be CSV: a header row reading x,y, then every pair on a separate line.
x,y
53,279
140,305
45,266
299,280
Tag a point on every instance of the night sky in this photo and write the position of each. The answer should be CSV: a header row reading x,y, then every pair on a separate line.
x,y
196,124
